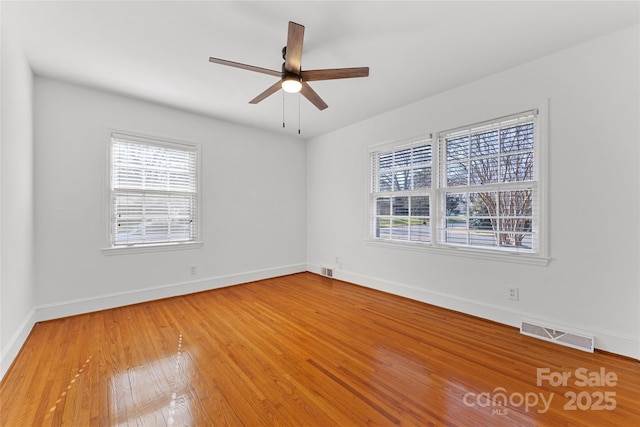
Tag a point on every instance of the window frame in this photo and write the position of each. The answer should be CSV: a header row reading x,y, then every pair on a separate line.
x,y
109,248
410,193
438,191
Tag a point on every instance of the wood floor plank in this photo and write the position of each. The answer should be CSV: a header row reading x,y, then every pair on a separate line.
x,y
303,350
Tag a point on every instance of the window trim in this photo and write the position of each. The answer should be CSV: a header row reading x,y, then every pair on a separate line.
x,y
428,192
541,258
107,247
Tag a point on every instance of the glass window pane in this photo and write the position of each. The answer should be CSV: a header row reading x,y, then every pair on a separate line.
x,y
483,203
514,240
484,171
456,204
484,143
422,178
458,148
385,181
386,161
516,203
516,225
457,174
383,206
383,228
400,206
482,211
482,238
517,167
420,206
402,180
400,228
517,138
420,230
422,155
402,158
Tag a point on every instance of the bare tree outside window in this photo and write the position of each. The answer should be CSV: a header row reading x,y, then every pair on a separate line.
x,y
490,170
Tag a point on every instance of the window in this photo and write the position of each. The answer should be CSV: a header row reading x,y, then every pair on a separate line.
x,y
485,195
401,189
154,192
488,186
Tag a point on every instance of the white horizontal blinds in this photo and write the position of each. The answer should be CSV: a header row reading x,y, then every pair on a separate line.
x,y
153,167
489,195
154,192
401,185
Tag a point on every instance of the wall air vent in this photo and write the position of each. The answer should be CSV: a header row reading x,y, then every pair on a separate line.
x,y
558,336
326,271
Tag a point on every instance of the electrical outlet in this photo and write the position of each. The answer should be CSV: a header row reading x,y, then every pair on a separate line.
x,y
514,294
193,270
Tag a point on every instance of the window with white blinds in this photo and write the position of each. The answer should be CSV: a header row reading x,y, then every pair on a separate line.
x,y
476,187
154,191
489,187
401,188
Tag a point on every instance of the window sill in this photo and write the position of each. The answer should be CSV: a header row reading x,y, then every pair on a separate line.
x,y
489,255
136,249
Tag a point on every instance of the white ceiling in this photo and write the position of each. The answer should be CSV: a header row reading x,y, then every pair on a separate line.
x,y
158,51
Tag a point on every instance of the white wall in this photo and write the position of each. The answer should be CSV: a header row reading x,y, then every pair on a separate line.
x,y
592,281
253,203
17,286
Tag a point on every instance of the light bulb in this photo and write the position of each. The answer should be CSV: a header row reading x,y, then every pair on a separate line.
x,y
291,84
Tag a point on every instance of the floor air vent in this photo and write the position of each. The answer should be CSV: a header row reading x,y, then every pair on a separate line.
x,y
569,339
326,271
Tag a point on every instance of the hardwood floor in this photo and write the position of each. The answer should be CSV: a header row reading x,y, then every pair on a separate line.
x,y
304,350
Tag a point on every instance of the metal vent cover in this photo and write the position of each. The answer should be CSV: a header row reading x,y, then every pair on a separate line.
x,y
326,271
558,336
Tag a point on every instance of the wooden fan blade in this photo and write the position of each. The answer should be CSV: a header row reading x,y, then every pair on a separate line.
x,y
270,91
245,67
334,73
312,96
293,58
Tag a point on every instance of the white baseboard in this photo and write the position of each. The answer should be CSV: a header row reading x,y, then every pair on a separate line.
x,y
610,341
119,299
11,350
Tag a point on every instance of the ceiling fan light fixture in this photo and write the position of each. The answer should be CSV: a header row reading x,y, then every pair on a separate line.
x,y
291,84
292,78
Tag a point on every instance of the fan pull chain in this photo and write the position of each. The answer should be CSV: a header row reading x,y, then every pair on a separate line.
x,y
298,113
283,111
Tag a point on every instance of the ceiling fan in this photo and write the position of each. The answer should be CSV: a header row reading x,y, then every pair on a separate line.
x,y
292,78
